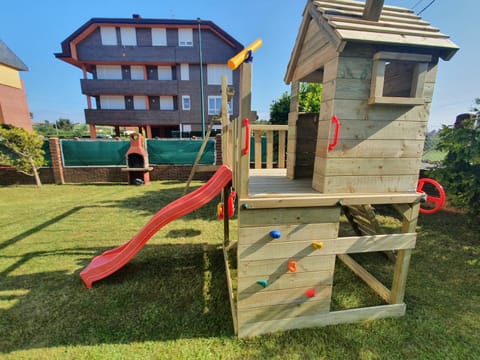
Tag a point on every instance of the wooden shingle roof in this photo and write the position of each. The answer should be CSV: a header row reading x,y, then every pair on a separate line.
x,y
343,22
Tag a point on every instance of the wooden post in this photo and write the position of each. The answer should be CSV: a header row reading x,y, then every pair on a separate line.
x,y
372,10
410,217
292,127
245,112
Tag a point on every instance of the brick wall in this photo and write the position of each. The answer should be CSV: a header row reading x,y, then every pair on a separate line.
x,y
58,174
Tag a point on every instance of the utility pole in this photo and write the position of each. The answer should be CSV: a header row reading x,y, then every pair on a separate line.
x,y
202,100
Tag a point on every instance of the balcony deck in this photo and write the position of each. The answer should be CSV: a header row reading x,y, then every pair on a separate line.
x,y
270,188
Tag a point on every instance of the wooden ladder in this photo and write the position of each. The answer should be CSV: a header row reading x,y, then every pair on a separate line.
x,y
363,220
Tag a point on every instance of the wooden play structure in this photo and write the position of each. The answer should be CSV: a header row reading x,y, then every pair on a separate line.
x,y
378,67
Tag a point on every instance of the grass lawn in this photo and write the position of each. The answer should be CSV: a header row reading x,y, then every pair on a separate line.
x,y
171,302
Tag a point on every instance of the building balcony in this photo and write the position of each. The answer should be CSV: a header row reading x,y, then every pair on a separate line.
x,y
145,54
122,87
132,117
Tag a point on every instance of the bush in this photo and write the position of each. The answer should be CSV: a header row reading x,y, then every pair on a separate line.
x,y
460,170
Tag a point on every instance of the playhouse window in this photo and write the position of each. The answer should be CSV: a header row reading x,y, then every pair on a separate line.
x,y
398,78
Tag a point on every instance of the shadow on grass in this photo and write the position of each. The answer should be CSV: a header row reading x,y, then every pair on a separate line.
x,y
150,202
167,292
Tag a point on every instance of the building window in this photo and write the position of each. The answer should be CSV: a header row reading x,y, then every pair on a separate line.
x,y
215,105
128,36
184,72
108,35
109,72
139,103
159,37
166,103
112,102
186,102
215,73
185,37
164,73
136,72
398,78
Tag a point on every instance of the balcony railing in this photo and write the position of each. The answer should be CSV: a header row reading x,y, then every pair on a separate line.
x,y
121,87
132,117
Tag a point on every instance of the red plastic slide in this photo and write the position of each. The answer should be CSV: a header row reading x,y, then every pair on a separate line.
x,y
112,260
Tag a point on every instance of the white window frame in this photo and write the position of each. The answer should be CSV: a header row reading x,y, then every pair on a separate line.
x,y
112,102
108,35
128,36
159,37
217,108
137,72
109,72
164,72
185,37
139,102
215,73
186,103
166,103
184,72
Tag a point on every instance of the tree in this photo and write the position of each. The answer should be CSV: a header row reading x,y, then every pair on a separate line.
x,y
64,124
22,150
279,109
310,97
460,170
309,100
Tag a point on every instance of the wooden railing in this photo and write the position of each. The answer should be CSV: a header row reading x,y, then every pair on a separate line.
x,y
269,132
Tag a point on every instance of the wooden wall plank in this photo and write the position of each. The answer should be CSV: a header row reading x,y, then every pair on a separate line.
x,y
283,297
373,148
265,267
292,232
366,184
331,318
278,312
368,166
346,245
255,217
248,285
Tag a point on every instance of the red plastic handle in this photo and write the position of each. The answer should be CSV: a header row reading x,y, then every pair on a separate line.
x,y
332,145
438,200
246,148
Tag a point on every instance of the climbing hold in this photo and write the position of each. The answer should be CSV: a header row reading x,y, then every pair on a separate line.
x,y
317,245
310,293
245,206
292,266
220,211
275,234
263,283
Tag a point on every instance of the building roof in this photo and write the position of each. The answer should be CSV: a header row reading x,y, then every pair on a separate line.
x,y
8,57
136,20
343,22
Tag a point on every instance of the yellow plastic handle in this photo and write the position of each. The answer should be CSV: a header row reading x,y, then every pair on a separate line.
x,y
238,59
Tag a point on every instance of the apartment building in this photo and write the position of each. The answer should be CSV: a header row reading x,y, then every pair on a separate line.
x,y
13,99
151,73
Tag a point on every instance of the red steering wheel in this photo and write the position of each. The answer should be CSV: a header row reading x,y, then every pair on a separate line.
x,y
437,198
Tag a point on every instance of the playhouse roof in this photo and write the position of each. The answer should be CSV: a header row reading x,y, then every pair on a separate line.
x,y
343,22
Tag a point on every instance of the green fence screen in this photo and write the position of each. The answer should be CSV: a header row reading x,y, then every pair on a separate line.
x,y
112,153
179,152
94,152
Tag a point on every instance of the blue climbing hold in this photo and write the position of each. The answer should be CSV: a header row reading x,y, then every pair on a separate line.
x,y
275,234
263,283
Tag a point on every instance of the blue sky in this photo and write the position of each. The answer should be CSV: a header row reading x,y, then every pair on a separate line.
x,y
35,29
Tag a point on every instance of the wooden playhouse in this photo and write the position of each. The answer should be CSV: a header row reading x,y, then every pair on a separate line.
x,y
378,66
